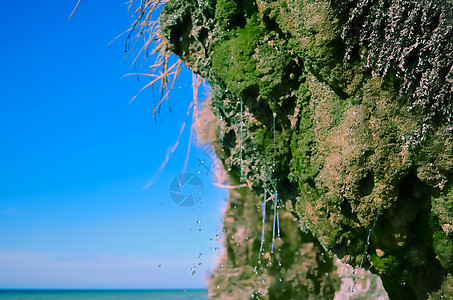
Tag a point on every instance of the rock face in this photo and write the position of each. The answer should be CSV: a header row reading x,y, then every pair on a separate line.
x,y
345,109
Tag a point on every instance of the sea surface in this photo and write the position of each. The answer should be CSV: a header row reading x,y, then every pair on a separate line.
x,y
104,294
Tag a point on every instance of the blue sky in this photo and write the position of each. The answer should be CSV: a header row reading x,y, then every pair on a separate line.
x,y
75,156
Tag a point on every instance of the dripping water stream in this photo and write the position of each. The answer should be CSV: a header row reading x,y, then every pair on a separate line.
x,y
275,219
370,231
368,240
241,128
276,223
264,220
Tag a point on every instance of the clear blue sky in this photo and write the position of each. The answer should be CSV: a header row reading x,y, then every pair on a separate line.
x,y
75,155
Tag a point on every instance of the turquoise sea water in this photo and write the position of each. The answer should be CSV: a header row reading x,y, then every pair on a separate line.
x,y
104,294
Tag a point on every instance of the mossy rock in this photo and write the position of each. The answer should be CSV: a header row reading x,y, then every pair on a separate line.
x,y
329,126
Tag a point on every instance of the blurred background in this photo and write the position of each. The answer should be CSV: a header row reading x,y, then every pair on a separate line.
x,y
76,156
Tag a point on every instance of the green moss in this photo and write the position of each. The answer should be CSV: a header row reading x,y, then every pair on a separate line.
x,y
227,14
315,213
230,14
442,207
233,60
250,67
385,265
303,143
433,168
443,247
274,72
249,7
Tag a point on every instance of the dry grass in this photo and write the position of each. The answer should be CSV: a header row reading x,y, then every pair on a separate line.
x,y
77,5
145,40
145,34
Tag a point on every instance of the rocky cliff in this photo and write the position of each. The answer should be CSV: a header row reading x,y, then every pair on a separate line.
x,y
344,109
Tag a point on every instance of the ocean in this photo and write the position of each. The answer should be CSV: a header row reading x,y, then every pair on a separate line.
x,y
104,294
